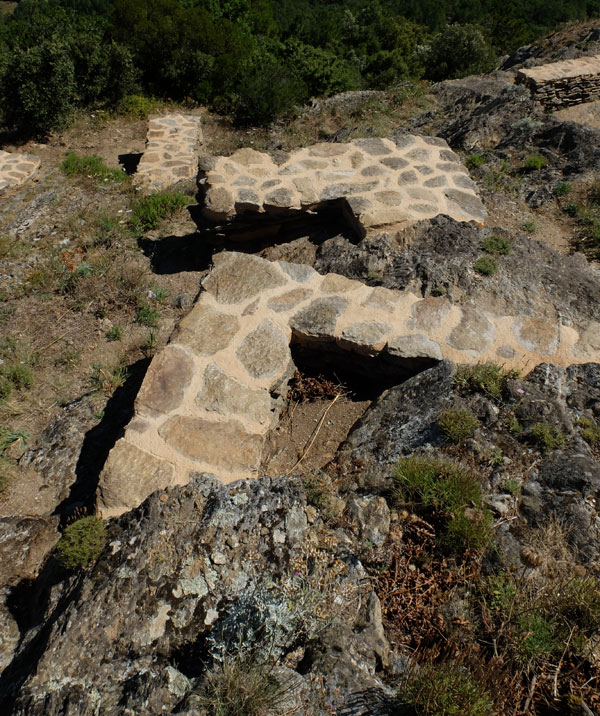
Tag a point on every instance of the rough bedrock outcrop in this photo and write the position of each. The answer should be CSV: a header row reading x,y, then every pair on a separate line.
x,y
438,257
129,635
478,112
562,483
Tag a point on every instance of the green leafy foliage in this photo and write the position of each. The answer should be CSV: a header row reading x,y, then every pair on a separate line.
x,y
81,543
535,162
590,430
457,51
562,188
474,161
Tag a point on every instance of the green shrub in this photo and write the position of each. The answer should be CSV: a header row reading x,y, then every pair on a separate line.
x,y
469,529
137,106
487,378
529,227
562,188
548,437
457,425
81,543
474,161
457,51
535,162
91,166
496,245
445,690
149,211
486,266
241,686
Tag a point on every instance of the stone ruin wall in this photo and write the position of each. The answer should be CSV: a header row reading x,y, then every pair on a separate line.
x,y
563,84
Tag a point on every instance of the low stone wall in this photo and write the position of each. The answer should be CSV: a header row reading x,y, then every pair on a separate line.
x,y
212,394
171,152
385,183
17,168
562,84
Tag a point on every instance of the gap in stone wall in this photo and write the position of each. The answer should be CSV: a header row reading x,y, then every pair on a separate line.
x,y
322,371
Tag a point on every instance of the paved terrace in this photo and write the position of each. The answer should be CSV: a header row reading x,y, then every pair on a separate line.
x,y
212,394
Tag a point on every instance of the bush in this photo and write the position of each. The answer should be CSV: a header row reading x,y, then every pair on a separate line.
x,y
38,89
91,166
445,690
457,425
548,437
486,266
496,245
137,106
535,162
149,211
457,51
562,188
81,543
147,316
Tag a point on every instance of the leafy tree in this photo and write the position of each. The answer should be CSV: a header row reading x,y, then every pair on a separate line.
x,y
457,51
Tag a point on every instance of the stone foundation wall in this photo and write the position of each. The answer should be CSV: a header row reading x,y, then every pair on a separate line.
x,y
562,84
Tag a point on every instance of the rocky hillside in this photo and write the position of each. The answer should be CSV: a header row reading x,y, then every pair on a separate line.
x,y
422,416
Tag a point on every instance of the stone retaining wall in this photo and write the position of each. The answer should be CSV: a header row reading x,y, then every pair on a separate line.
x,y
212,394
385,183
562,84
171,152
17,168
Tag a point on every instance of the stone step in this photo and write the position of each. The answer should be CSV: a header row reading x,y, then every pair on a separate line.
x,y
16,168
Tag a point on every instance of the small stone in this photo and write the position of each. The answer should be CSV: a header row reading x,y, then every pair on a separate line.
x,y
218,558
414,346
334,283
280,198
318,319
265,352
366,337
164,385
205,330
211,617
237,277
371,517
394,162
376,147
288,300
474,332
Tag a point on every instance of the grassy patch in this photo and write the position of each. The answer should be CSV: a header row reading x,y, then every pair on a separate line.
x,y
590,430
149,211
457,425
487,378
92,167
474,161
147,316
241,686
445,690
486,266
81,543
108,379
547,437
114,334
451,492
496,245
535,162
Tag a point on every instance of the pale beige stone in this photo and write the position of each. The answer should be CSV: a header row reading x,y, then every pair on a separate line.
x,y
169,374
224,445
206,330
239,277
265,352
129,476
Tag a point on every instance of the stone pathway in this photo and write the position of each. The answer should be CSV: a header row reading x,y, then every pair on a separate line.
x,y
212,394
564,83
171,152
17,168
385,183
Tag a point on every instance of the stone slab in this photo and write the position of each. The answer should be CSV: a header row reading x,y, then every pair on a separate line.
x,y
16,168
